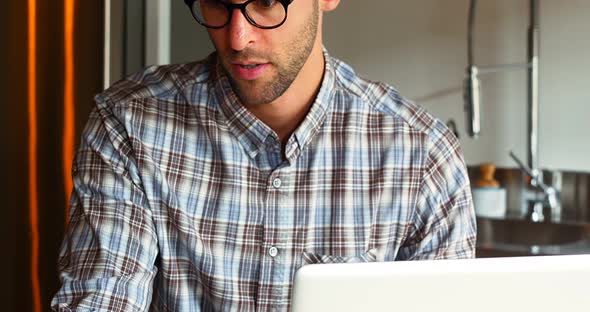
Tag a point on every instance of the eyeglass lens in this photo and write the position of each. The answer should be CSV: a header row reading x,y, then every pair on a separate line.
x,y
215,13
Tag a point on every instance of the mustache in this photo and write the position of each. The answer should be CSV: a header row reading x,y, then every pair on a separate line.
x,y
245,55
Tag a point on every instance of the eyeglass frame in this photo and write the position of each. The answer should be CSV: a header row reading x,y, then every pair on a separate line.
x,y
231,7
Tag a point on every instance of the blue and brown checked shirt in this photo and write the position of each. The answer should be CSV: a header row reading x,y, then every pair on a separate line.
x,y
184,201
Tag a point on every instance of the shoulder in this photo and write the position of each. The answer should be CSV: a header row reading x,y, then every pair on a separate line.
x,y
379,98
165,82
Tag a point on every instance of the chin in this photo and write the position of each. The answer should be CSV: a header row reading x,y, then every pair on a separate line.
x,y
253,100
253,92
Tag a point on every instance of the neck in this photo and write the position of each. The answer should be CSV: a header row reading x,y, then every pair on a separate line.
x,y
286,113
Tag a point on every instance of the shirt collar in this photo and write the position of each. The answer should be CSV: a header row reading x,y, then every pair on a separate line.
x,y
317,114
249,130
253,134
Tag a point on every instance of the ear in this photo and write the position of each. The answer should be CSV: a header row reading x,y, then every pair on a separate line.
x,y
328,5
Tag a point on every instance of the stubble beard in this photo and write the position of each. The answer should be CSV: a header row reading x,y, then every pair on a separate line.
x,y
287,67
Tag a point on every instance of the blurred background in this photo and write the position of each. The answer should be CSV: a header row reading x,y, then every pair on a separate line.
x,y
49,75
56,55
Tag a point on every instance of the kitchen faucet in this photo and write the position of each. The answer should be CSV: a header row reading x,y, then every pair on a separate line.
x,y
533,186
535,204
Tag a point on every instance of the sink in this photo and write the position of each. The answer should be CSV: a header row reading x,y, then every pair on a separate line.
x,y
526,233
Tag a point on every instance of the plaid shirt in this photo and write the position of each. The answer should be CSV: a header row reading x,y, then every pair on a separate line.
x,y
184,201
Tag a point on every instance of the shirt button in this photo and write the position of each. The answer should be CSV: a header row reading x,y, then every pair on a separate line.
x,y
273,251
276,183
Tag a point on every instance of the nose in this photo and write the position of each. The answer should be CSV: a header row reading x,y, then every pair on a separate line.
x,y
240,31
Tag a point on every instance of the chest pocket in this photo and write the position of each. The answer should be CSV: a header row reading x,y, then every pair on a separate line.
x,y
314,258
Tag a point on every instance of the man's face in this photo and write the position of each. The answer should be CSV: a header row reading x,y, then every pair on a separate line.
x,y
263,63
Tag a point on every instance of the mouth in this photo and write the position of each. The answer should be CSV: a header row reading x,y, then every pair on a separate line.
x,y
249,66
249,70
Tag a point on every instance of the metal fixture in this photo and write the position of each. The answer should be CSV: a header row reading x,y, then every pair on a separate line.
x,y
136,34
472,84
497,237
453,127
535,203
472,87
106,63
157,31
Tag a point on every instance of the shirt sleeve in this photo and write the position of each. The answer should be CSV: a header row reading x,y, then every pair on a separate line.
x,y
443,224
106,261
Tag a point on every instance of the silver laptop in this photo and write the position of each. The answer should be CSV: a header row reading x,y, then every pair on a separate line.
x,y
548,283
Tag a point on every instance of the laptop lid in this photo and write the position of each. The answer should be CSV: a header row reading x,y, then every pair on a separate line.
x,y
547,283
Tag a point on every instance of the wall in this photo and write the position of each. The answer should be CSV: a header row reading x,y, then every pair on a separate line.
x,y
420,48
189,40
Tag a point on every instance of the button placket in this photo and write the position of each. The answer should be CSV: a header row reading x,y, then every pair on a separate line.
x,y
276,248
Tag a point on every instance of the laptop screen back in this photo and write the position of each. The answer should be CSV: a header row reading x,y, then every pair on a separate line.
x,y
550,283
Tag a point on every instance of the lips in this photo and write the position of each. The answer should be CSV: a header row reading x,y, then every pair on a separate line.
x,y
248,66
249,70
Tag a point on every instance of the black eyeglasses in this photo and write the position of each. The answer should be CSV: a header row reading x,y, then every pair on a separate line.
x,y
265,14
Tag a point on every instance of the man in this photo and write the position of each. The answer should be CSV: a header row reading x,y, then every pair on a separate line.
x,y
205,186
